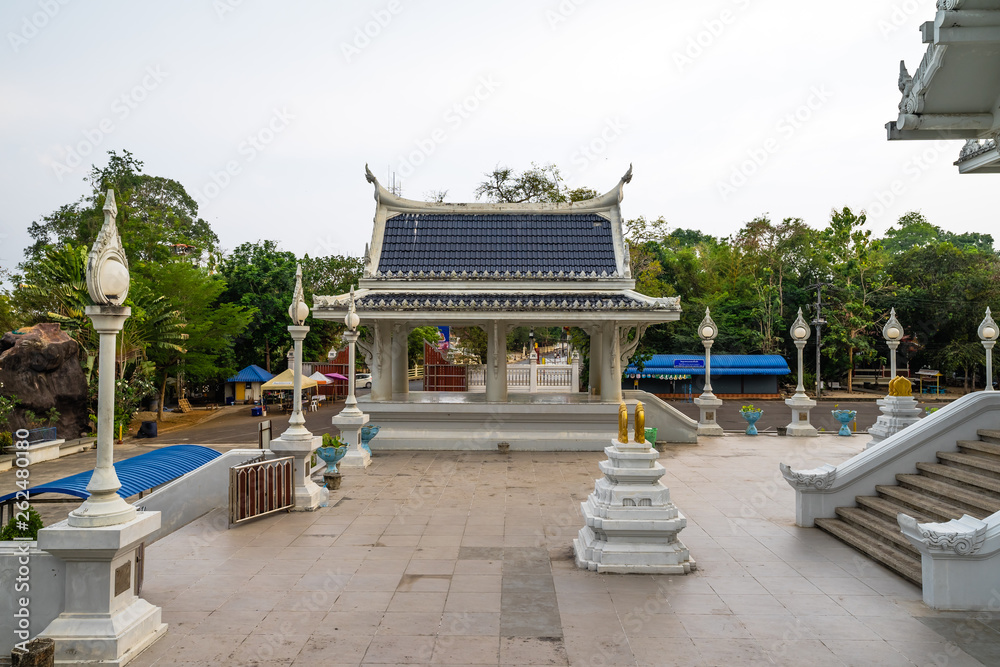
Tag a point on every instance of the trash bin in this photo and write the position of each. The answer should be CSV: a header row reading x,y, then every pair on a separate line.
x,y
256,411
147,430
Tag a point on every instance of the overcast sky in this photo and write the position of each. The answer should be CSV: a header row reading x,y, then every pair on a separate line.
x,y
267,112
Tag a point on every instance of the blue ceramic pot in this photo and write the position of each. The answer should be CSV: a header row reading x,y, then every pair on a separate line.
x,y
845,417
332,456
751,416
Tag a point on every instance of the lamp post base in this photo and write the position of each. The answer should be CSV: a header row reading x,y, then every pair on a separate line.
x,y
801,426
709,405
104,621
308,494
350,431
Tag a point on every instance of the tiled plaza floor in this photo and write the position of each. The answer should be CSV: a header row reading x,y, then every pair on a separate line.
x,y
465,558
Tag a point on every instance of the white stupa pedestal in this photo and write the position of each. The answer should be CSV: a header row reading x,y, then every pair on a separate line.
x,y
709,405
350,432
801,426
631,524
104,621
308,494
898,412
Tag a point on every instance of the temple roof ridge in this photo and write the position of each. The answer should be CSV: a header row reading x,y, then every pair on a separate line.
x,y
608,200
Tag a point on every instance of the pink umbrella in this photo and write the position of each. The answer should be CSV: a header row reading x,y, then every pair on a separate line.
x,y
336,376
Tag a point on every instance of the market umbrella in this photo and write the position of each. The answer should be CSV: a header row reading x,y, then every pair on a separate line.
x,y
284,381
320,378
336,376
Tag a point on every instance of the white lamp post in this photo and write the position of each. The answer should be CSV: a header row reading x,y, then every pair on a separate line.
x,y
297,441
108,283
351,418
988,332
103,621
707,403
893,333
800,404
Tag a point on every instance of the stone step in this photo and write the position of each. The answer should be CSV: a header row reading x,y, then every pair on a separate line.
x,y
986,484
989,435
979,447
983,465
886,532
975,504
936,508
889,509
902,563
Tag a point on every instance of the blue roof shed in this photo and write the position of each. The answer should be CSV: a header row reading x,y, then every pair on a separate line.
x,y
252,373
733,375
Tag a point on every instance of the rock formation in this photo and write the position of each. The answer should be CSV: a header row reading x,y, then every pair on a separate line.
x,y
40,365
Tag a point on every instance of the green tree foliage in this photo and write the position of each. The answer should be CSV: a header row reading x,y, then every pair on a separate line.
x,y
156,218
914,231
540,184
261,279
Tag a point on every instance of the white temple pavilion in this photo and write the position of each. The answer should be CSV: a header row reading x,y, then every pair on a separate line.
x,y
955,91
501,266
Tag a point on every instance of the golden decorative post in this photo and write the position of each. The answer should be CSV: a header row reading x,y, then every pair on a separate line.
x,y
640,423
622,423
900,386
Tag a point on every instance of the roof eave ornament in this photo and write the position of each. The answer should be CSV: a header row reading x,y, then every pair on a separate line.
x,y
107,267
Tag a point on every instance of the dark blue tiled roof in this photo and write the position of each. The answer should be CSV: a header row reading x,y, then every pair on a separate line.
x,y
498,242
510,302
722,364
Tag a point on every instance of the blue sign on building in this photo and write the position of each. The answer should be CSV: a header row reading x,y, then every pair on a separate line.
x,y
689,363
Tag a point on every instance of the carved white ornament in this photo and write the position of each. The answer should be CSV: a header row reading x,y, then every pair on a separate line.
x,y
707,330
963,537
800,329
892,330
817,478
298,310
107,267
988,329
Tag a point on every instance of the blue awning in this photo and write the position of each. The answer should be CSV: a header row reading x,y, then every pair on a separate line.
x,y
137,474
252,373
722,364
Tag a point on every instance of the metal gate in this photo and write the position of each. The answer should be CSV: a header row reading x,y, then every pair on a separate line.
x,y
260,487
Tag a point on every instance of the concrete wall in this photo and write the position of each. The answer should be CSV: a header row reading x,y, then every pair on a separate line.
x,y
45,590
195,494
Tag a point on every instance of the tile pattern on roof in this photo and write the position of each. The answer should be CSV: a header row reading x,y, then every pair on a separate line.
x,y
401,301
497,242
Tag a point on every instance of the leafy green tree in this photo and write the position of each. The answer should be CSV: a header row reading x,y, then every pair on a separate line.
x,y
209,326
415,343
540,184
856,263
157,218
260,279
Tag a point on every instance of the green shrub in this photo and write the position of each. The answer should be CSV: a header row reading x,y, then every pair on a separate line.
x,y
11,531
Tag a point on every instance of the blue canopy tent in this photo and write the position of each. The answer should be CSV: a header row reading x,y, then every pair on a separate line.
x,y
733,375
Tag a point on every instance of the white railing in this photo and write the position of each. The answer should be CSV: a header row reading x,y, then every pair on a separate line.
x,y
548,377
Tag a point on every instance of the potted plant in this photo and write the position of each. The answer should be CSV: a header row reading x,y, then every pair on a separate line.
x,y
751,414
845,417
332,451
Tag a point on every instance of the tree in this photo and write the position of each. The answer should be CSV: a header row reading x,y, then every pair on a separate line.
x,y
209,326
856,263
156,217
415,343
915,231
261,279
540,184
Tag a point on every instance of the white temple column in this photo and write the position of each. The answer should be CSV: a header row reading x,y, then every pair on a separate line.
x,y
611,373
400,356
496,362
596,355
382,361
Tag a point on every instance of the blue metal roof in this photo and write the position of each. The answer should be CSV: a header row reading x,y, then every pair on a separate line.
x,y
498,242
137,474
252,373
722,364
